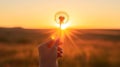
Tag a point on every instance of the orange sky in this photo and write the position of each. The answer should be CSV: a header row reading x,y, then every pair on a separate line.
x,y
103,14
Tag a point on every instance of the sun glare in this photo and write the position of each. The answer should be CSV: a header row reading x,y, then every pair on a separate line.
x,y
63,26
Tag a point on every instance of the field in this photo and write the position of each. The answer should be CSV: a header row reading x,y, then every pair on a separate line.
x,y
84,48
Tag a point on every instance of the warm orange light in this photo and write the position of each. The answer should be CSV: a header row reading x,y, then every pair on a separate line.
x,y
63,26
52,37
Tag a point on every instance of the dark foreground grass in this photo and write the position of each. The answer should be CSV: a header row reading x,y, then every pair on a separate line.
x,y
28,57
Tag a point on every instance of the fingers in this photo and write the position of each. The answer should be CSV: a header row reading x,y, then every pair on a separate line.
x,y
59,48
57,41
59,55
56,44
59,52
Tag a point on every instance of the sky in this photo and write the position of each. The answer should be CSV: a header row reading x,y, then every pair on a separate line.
x,y
95,14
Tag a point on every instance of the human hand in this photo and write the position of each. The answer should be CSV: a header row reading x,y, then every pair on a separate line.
x,y
49,52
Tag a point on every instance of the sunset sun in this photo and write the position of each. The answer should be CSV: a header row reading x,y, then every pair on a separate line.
x,y
63,26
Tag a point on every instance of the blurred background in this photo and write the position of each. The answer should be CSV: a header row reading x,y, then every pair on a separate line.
x,y
86,48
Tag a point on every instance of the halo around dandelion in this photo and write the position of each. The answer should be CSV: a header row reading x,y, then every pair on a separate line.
x,y
61,17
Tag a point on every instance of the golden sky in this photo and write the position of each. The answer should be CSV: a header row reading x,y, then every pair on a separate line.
x,y
103,14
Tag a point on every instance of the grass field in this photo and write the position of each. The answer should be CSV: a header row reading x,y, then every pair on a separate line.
x,y
86,48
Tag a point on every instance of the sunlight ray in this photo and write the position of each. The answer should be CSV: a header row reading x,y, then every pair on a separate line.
x,y
72,41
72,34
76,31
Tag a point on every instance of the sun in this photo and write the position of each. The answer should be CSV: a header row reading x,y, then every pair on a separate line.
x,y
63,26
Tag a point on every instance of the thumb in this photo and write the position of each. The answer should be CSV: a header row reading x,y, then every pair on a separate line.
x,y
56,43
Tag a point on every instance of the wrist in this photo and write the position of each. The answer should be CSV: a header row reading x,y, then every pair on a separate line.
x,y
48,63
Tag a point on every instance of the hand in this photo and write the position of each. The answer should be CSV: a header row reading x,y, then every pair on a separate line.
x,y
49,52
